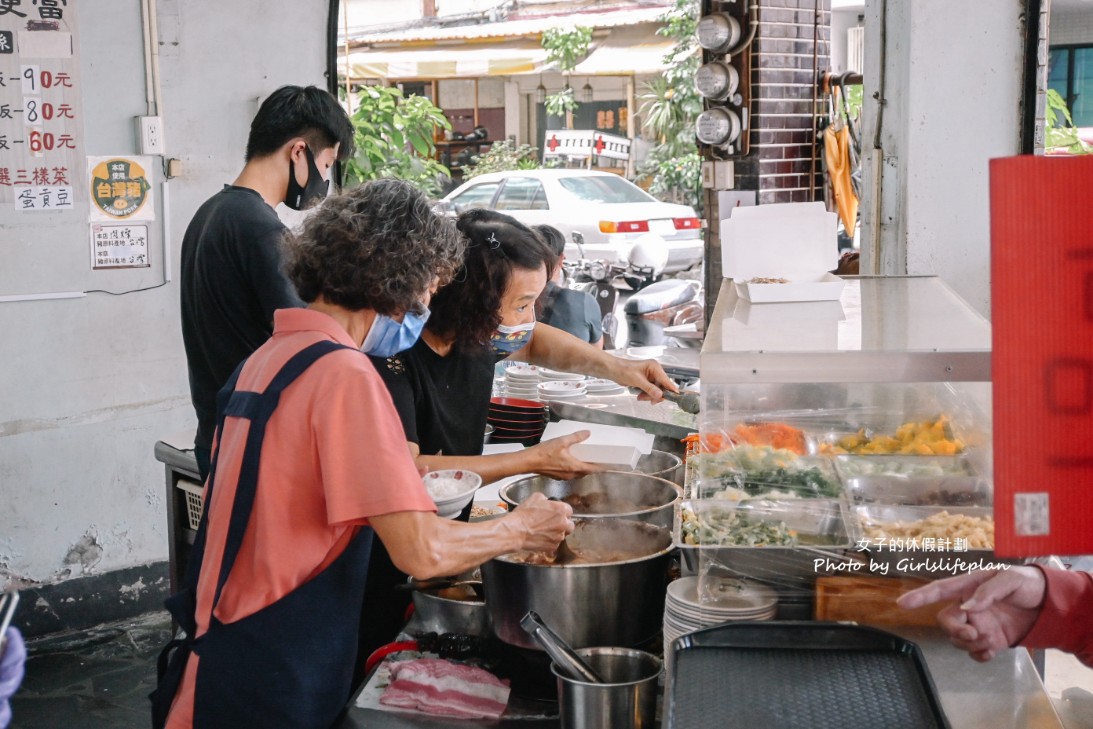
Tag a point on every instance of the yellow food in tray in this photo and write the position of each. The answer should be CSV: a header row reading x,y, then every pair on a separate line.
x,y
924,438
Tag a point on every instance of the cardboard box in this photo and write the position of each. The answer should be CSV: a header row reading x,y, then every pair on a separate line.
x,y
794,241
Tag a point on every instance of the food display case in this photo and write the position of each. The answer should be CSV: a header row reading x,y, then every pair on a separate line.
x,y
842,437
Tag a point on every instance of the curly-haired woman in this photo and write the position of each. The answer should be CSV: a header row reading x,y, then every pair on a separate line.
x,y
309,461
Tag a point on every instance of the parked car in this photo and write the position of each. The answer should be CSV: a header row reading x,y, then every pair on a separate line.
x,y
609,213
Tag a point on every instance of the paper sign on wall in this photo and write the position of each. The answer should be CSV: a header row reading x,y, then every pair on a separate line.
x,y
120,188
1042,361
41,106
119,246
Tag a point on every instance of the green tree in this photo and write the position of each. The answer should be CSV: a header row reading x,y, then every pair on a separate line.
x,y
1061,132
501,157
565,48
394,138
669,105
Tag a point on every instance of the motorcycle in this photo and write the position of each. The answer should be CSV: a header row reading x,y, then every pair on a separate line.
x,y
655,308
650,309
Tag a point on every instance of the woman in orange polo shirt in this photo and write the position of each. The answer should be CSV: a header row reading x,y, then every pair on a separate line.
x,y
310,461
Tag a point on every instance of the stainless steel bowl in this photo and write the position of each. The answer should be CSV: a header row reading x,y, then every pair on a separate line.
x,y
610,494
614,603
437,614
662,465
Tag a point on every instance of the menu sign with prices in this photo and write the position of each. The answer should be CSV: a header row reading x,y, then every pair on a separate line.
x,y
41,114
119,246
1042,360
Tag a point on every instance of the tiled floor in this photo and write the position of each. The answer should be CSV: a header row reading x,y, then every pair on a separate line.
x,y
96,679
101,678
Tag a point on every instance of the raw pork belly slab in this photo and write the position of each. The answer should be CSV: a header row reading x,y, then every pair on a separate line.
x,y
436,686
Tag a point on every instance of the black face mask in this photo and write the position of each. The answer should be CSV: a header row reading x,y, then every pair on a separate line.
x,y
300,197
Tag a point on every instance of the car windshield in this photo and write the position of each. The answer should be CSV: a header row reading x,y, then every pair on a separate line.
x,y
604,189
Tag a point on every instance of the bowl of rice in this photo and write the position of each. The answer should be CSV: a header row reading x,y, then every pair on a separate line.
x,y
451,490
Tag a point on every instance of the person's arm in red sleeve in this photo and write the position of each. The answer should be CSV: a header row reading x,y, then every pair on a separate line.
x,y
1066,618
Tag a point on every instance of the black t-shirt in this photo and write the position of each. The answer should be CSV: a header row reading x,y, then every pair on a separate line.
x,y
232,283
443,401
572,311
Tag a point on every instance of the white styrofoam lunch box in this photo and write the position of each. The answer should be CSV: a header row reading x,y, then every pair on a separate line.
x,y
792,241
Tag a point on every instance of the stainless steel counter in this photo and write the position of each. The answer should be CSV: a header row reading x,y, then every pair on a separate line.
x,y
1005,693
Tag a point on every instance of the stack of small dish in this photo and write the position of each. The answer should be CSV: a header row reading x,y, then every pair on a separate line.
x,y
522,381
516,420
561,389
729,600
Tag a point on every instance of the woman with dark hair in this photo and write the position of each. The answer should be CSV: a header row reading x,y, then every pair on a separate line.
x,y
309,460
441,386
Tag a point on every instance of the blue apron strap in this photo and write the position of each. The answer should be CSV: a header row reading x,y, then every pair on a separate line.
x,y
258,408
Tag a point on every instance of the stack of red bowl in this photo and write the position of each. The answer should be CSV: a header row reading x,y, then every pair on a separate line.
x,y
517,421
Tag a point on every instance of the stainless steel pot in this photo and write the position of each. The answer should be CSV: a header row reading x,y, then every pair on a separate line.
x,y
437,614
610,494
617,603
662,465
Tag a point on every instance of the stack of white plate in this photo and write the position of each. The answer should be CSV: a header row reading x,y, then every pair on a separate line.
x,y
731,599
603,387
561,389
522,381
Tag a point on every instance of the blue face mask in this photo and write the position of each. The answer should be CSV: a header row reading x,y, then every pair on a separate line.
x,y
388,337
507,340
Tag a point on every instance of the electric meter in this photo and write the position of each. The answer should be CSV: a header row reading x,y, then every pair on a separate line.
x,y
717,81
718,32
717,127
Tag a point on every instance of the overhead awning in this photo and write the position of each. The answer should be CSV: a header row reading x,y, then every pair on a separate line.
x,y
463,60
628,50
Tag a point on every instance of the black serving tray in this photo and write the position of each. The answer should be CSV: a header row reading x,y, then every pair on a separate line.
x,y
799,675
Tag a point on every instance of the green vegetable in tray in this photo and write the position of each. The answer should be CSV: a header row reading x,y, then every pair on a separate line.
x,y
731,527
761,470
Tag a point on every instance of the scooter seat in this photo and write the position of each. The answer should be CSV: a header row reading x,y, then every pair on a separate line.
x,y
661,295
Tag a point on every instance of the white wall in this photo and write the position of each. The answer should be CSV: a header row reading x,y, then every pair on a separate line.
x,y
954,88
89,385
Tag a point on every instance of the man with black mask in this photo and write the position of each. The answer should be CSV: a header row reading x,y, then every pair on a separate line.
x,y
232,280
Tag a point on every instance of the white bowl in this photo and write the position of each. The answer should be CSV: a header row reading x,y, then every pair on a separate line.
x,y
441,486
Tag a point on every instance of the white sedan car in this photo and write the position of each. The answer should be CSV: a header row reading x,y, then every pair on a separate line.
x,y
610,213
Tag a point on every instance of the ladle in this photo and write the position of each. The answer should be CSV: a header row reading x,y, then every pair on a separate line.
x,y
569,662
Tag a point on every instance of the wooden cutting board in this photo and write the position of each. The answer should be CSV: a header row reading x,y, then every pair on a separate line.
x,y
871,601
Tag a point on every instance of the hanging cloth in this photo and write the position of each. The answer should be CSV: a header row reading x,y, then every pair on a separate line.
x,y
837,157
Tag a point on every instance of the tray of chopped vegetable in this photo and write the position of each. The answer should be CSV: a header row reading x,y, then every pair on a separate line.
x,y
928,437
748,471
771,540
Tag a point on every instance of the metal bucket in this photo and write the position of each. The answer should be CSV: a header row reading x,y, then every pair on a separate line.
x,y
610,494
626,700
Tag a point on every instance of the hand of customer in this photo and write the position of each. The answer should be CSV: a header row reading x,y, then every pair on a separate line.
x,y
646,375
544,523
552,457
995,608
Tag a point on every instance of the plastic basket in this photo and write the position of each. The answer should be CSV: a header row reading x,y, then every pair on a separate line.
x,y
195,503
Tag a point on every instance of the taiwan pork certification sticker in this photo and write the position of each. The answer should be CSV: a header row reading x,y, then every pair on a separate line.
x,y
120,189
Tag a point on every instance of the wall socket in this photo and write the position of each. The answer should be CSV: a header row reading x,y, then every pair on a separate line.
x,y
150,131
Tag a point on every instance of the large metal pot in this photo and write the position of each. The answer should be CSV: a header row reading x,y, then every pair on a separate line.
x,y
618,603
610,494
662,465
